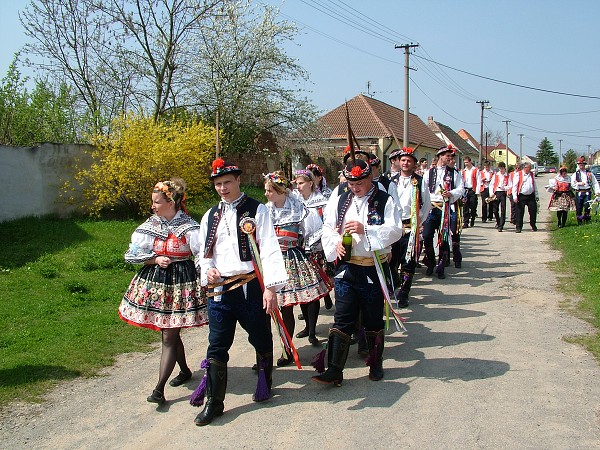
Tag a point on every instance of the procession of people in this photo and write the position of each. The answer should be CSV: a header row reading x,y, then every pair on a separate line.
x,y
357,246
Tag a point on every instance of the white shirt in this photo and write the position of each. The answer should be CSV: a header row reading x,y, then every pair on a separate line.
x,y
500,181
585,182
528,186
455,194
405,198
226,256
376,237
468,178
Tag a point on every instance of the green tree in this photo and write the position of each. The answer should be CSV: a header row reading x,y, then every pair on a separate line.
x,y
137,153
42,115
545,155
570,160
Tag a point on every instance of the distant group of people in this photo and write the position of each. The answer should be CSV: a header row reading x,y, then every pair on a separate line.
x,y
250,263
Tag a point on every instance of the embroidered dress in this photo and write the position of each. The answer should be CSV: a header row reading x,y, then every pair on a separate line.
x,y
563,198
304,283
160,298
316,204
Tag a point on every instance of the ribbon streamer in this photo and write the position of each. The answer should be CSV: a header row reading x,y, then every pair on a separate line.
x,y
386,295
248,226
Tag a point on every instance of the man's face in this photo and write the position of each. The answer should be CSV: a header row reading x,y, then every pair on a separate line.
x,y
526,168
486,167
581,165
407,165
451,160
395,162
361,187
468,163
228,187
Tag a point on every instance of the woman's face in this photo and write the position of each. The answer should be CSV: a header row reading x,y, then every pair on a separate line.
x,y
304,187
161,206
272,195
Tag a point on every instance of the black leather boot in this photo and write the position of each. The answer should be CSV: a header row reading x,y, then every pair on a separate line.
x,y
265,377
216,385
337,353
375,341
430,260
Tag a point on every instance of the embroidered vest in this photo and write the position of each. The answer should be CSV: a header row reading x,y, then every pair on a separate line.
x,y
376,204
246,208
448,179
172,247
588,176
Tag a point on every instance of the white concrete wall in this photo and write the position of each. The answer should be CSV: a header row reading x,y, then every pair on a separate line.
x,y
31,178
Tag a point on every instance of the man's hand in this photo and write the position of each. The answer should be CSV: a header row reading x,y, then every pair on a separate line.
x,y
354,226
213,275
269,301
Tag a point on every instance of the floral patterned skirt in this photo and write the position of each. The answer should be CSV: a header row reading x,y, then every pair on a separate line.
x,y
304,283
160,298
562,201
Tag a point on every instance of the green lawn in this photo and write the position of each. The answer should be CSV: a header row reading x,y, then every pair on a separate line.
x,y
579,271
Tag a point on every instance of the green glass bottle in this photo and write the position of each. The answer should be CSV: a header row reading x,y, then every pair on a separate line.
x,y
347,243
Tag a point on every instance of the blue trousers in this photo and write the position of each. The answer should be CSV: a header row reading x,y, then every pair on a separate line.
x,y
358,291
235,307
581,197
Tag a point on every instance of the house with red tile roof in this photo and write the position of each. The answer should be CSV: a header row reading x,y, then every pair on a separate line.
x,y
378,128
451,137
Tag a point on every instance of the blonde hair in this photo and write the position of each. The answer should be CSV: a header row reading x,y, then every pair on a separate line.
x,y
307,175
173,190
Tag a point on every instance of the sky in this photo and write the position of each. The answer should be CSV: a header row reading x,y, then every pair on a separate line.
x,y
348,48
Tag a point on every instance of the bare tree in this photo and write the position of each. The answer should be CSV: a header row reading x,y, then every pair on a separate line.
x,y
118,54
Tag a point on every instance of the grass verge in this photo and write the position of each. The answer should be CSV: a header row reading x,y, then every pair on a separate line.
x,y
61,282
580,247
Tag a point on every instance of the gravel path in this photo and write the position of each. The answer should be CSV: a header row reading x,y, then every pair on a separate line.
x,y
484,365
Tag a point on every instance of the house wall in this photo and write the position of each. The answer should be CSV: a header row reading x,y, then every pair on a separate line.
x,y
33,177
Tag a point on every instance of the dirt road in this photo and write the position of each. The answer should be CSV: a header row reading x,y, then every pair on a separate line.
x,y
483,365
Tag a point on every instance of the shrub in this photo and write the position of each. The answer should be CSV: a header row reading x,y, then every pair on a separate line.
x,y
138,153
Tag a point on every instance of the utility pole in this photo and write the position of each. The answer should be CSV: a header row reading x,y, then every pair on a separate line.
x,y
483,103
559,153
507,133
521,147
589,154
406,47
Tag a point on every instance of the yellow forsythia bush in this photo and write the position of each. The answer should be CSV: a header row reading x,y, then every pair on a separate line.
x,y
138,153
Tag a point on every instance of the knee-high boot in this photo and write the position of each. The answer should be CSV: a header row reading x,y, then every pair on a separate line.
x,y
375,341
216,385
337,353
265,377
406,283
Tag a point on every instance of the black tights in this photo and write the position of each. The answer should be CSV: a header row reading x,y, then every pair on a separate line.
x,y
287,314
562,218
310,311
172,352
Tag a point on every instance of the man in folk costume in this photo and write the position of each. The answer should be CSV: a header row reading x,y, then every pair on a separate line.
x,y
513,205
472,180
414,204
446,189
583,182
524,194
484,188
395,169
234,290
370,216
498,188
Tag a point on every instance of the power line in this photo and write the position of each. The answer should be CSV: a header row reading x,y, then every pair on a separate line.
x,y
508,82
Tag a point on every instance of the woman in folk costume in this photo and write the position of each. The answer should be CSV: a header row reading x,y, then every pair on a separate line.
x,y
307,192
563,199
165,294
499,185
320,181
293,221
